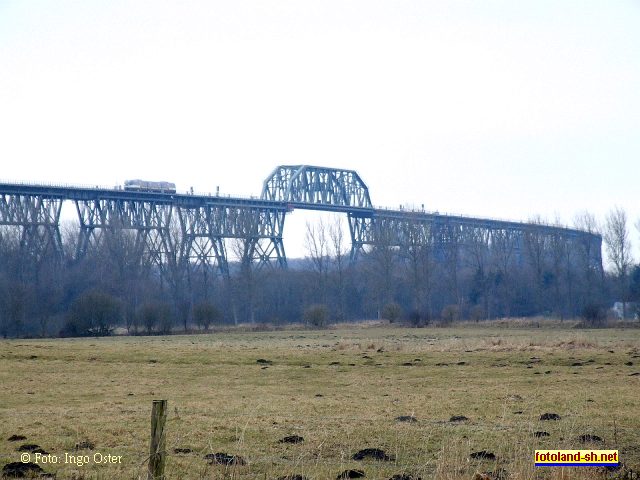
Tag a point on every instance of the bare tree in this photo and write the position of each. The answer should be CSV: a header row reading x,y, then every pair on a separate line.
x,y
70,233
244,249
382,261
503,248
535,243
118,253
478,241
616,239
317,245
419,263
558,249
339,253
589,274
586,221
47,293
451,243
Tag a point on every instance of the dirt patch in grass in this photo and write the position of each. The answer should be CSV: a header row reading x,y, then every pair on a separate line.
x,y
180,450
373,454
85,445
32,448
351,474
224,459
406,419
589,438
550,416
458,418
482,455
21,470
291,439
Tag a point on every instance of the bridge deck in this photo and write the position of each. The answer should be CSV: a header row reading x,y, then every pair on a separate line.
x,y
187,200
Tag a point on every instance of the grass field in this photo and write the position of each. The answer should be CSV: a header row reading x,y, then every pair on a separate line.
x,y
340,389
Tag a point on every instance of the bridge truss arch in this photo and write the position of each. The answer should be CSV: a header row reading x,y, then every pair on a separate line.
x,y
319,186
311,187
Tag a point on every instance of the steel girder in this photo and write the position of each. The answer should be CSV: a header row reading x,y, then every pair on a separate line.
x,y
38,218
407,229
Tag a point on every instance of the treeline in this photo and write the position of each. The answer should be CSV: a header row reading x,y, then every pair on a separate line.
x,y
114,285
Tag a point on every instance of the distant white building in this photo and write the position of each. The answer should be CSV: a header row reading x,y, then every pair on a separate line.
x,y
632,310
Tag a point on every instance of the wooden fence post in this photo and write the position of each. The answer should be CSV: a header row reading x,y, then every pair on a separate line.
x,y
157,453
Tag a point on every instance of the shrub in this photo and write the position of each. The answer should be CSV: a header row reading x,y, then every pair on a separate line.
x,y
477,313
316,315
450,313
593,315
166,318
155,315
93,313
205,314
392,312
418,318
148,316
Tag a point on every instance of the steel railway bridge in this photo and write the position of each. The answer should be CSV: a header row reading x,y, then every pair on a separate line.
x,y
173,229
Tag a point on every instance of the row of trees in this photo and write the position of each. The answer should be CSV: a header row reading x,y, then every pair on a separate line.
x,y
110,287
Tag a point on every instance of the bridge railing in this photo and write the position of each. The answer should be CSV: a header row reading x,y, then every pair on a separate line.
x,y
59,185
120,187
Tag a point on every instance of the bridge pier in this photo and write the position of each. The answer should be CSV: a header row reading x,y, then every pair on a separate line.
x,y
103,220
202,242
257,235
37,218
359,230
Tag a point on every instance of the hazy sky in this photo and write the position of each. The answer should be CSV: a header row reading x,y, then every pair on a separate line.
x,y
495,108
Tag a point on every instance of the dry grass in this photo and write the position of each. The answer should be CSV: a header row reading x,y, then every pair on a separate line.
x,y
222,400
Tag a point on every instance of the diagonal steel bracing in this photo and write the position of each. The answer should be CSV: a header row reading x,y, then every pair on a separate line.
x,y
102,220
202,242
36,220
449,235
319,186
